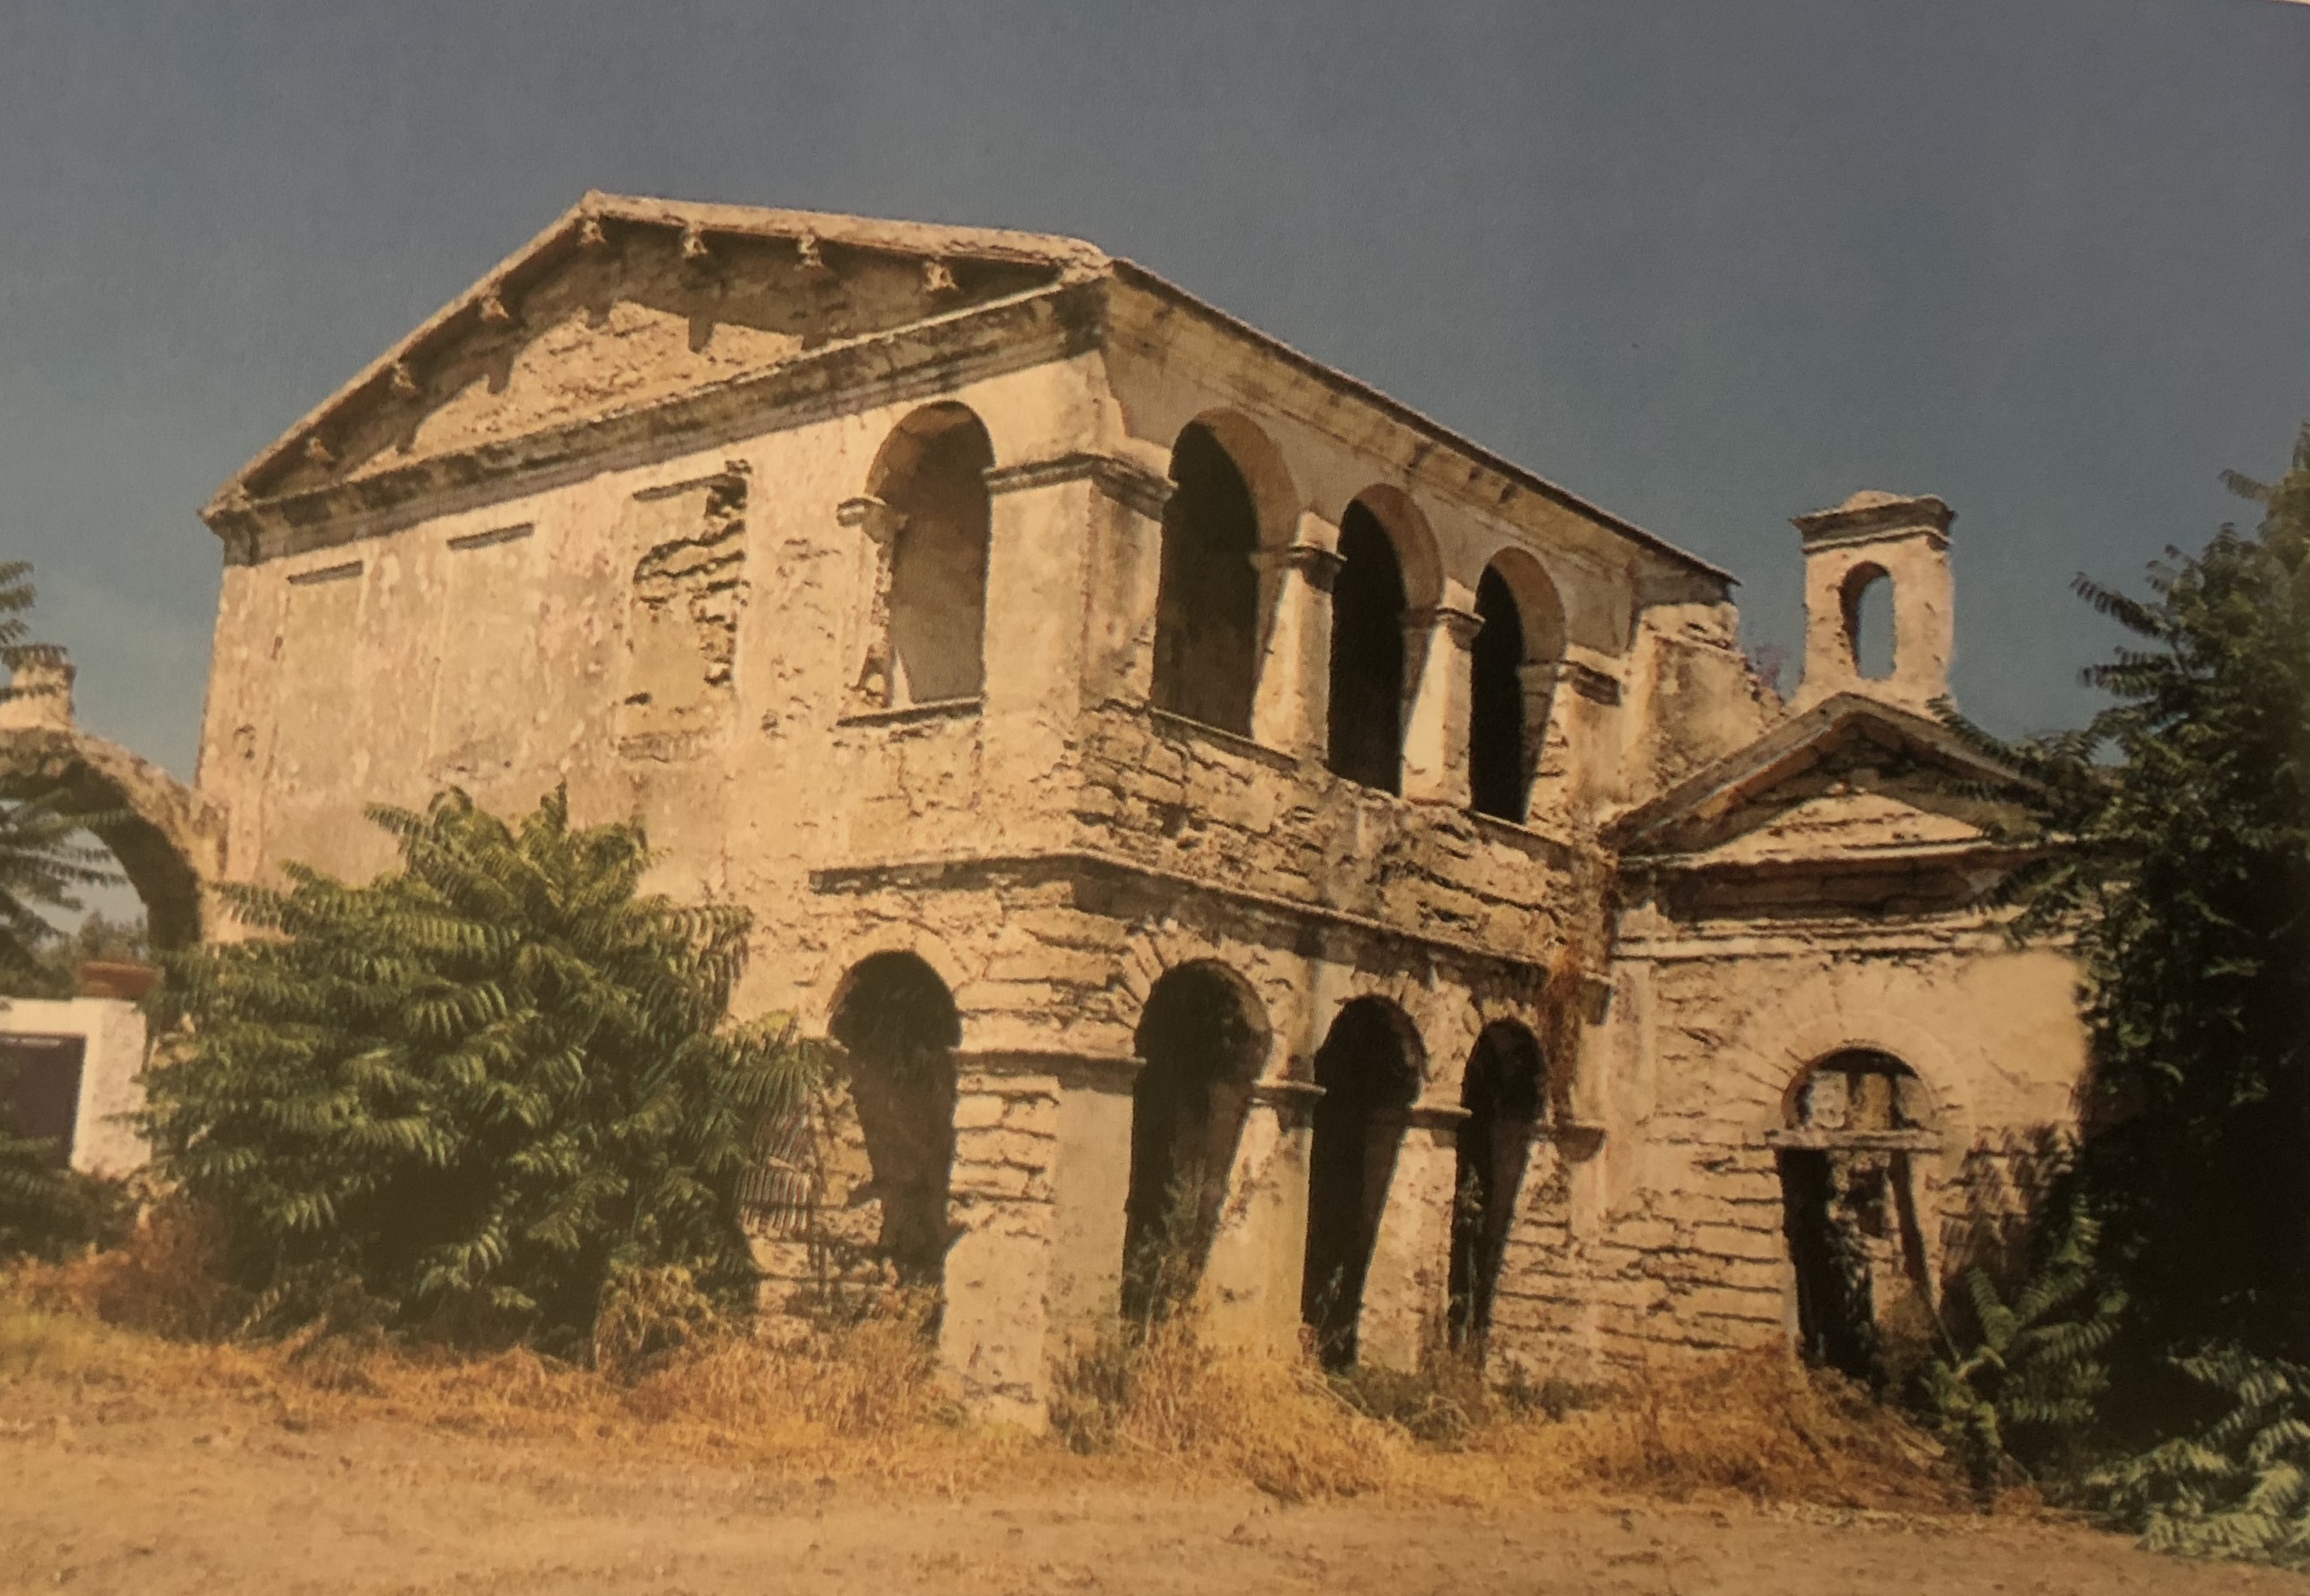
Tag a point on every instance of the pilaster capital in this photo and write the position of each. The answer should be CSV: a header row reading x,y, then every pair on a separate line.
x,y
878,520
1443,620
1126,481
1315,564
1435,1116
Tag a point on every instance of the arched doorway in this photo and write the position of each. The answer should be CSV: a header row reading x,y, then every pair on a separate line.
x,y
932,474
1369,1070
1848,1202
1207,603
1502,1093
1368,608
1201,1038
898,1027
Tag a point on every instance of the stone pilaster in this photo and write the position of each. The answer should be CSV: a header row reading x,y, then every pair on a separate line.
x,y
1251,1280
1436,730
1406,1288
994,1328
1090,1187
1295,674
878,525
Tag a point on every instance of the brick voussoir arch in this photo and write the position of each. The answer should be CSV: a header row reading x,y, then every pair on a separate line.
x,y
169,839
1777,1044
843,962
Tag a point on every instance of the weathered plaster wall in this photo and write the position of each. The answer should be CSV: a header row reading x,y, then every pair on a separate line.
x,y
1674,1232
682,613
112,1033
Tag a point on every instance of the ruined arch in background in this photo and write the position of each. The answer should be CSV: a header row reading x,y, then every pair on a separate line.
x,y
1231,498
1370,1068
1505,1093
170,840
930,473
1853,1121
898,1027
1387,565
1511,691
1202,1035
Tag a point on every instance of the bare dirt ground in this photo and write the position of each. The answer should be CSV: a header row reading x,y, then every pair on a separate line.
x,y
110,1491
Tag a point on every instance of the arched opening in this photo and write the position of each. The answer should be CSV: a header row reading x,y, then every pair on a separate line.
x,y
932,474
1867,596
1368,618
1201,1038
67,1069
1499,776
1369,1070
1514,665
1502,1097
1207,604
1848,1204
898,1027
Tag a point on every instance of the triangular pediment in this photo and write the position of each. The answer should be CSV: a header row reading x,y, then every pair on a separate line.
x,y
625,304
1849,781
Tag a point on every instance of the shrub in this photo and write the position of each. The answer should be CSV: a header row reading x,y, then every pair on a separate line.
x,y
2238,1486
478,1089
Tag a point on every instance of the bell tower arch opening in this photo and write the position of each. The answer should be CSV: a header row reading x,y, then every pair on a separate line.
x,y
1879,598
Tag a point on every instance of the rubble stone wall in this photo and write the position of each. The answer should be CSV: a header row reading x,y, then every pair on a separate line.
x,y
1669,1233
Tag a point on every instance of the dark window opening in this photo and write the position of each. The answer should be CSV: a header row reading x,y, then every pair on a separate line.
x,y
40,1090
1499,776
1369,1080
1502,1096
1368,619
898,1027
1849,1206
938,564
1207,605
1202,1044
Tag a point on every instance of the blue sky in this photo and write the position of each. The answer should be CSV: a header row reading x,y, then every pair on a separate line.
x,y
1712,262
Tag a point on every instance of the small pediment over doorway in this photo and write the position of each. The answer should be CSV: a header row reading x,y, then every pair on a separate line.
x,y
1855,805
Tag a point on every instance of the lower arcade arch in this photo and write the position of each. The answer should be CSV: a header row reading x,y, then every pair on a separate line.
x,y
1369,1070
898,1027
1503,1096
1201,1038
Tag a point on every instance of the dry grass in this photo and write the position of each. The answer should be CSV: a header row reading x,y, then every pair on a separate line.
x,y
864,1402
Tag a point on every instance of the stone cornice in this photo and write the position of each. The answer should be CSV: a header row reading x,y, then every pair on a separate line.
x,y
1296,915
1127,483
917,361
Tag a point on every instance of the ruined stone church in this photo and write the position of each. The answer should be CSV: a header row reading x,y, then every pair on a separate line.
x,y
1213,811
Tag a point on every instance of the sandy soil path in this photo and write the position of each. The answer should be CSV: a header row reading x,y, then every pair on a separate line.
x,y
120,1497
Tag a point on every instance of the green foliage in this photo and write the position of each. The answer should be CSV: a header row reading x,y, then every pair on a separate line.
x,y
483,1088
44,861
47,1210
2239,1487
2184,883
2035,1371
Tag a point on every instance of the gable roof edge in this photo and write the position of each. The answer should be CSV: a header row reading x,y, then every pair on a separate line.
x,y
1139,276
1779,752
1073,259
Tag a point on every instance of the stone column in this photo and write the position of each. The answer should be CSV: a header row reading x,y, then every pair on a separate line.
x,y
1408,1287
1251,1281
1291,713
879,525
994,1329
1435,728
